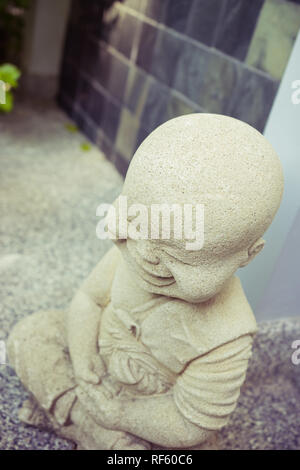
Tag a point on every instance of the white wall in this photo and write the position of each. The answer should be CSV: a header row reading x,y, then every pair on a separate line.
x,y
45,36
283,131
43,45
282,296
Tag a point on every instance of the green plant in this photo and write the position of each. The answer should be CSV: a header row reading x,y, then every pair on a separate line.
x,y
9,75
71,127
85,146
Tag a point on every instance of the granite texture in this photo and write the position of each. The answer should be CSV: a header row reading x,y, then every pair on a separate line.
x,y
268,413
49,192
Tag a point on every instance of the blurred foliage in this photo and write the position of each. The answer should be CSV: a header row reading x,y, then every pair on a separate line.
x,y
71,127
85,146
10,75
12,22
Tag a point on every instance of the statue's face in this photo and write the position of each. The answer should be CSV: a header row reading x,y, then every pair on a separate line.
x,y
167,268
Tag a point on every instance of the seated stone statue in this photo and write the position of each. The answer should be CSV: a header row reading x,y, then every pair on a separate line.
x,y
154,347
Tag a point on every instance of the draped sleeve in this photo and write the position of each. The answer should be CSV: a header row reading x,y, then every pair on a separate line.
x,y
207,391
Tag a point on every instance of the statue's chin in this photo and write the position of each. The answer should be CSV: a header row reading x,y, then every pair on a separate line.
x,y
172,290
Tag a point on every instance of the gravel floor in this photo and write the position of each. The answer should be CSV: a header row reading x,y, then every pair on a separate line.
x,y
49,191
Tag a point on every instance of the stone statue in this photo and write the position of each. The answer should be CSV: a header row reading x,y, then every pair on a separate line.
x,y
154,347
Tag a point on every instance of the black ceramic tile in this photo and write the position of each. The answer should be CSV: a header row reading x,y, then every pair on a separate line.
x,y
253,99
74,16
134,4
154,9
111,73
89,129
120,163
77,118
69,79
146,46
127,132
86,14
78,11
136,89
128,30
109,28
105,145
91,57
177,106
83,93
220,81
177,12
166,54
203,19
191,70
65,103
110,121
237,26
155,107
74,44
141,136
96,106
120,31
206,78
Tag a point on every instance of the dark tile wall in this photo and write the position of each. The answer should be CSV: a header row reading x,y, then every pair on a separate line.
x,y
129,66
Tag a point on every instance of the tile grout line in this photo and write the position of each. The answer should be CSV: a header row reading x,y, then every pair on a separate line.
x,y
94,82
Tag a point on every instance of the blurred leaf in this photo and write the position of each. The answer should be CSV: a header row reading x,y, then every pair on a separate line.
x,y
85,147
9,103
10,74
71,127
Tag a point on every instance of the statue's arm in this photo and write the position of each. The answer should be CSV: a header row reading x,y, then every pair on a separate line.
x,y
200,402
83,318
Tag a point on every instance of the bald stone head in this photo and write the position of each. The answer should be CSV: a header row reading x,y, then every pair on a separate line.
x,y
214,160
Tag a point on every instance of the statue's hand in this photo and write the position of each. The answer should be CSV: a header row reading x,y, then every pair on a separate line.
x,y
100,404
89,368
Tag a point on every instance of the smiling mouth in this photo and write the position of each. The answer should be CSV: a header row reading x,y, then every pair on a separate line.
x,y
149,277
157,281
153,279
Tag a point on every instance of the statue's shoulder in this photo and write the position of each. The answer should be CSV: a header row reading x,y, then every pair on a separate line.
x,y
225,318
236,306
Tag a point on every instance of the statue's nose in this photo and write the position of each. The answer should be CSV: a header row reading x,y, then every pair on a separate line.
x,y
147,252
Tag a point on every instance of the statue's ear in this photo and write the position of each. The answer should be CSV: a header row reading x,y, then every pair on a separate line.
x,y
253,251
